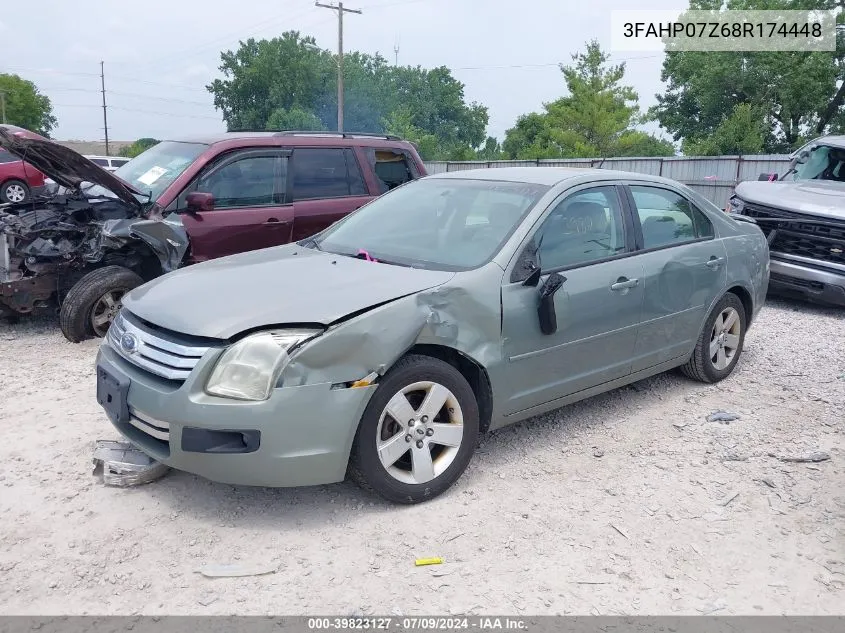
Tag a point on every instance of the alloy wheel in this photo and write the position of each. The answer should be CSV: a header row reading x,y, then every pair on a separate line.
x,y
420,432
724,338
15,193
105,310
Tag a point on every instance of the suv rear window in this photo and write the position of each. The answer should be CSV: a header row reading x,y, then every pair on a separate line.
x,y
392,168
6,157
326,173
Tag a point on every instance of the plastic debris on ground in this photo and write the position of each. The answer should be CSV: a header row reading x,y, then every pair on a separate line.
x,y
722,416
428,561
223,570
121,464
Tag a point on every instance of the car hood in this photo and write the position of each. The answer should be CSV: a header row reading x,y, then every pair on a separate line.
x,y
65,166
824,198
273,286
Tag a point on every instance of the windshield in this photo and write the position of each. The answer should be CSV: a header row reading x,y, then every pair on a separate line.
x,y
821,162
155,169
440,224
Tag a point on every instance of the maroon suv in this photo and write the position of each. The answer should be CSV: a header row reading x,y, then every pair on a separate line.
x,y
180,202
267,188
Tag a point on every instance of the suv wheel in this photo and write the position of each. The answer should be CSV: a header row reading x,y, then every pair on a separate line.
x,y
418,432
92,303
14,191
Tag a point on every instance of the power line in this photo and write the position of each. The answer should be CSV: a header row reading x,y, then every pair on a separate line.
x,y
548,64
175,114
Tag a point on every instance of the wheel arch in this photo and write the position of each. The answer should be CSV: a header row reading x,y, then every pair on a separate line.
x,y
474,372
747,301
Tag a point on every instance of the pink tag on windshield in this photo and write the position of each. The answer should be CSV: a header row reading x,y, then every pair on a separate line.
x,y
366,255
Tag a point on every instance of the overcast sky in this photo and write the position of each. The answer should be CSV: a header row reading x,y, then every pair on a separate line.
x,y
159,54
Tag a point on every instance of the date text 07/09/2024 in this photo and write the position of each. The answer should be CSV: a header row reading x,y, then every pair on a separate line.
x,y
417,624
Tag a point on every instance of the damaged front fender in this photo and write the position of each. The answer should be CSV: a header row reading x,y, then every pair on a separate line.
x,y
167,238
450,316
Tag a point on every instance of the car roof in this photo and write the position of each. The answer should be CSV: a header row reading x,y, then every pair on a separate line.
x,y
549,176
349,139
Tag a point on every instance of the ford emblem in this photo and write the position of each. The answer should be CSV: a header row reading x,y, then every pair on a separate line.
x,y
129,343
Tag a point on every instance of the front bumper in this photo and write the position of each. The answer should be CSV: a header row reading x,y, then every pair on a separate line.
x,y
301,436
805,282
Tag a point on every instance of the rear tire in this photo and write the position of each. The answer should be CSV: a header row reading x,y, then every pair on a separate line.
x,y
92,303
720,343
14,191
430,402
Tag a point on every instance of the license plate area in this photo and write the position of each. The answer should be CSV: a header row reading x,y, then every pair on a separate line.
x,y
112,393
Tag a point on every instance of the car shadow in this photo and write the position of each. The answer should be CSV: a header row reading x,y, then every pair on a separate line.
x,y
793,304
282,509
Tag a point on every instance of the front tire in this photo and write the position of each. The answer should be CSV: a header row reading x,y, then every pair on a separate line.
x,y
720,343
418,432
92,303
14,191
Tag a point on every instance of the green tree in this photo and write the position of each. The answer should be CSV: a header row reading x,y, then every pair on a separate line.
x,y
528,128
492,150
743,132
400,123
596,119
289,82
294,119
793,92
138,147
25,106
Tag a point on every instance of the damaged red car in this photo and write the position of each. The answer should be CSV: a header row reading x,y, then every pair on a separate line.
x,y
179,202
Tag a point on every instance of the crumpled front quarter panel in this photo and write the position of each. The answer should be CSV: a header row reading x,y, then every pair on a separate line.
x,y
463,314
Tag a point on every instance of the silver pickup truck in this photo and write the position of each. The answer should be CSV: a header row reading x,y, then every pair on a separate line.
x,y
802,213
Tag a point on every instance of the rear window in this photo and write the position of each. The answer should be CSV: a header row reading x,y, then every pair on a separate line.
x,y
325,173
6,157
391,167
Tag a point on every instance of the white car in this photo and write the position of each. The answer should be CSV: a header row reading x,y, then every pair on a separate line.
x,y
109,163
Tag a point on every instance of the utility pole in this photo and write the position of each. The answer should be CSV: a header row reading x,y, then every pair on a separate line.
x,y
2,107
396,51
340,11
105,118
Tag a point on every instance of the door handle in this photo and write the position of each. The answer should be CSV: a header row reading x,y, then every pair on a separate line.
x,y
276,221
714,262
623,283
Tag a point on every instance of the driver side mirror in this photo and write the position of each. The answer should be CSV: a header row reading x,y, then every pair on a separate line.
x,y
546,306
199,201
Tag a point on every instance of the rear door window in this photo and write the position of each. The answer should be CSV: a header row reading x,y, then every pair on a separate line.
x,y
391,167
668,218
326,173
6,157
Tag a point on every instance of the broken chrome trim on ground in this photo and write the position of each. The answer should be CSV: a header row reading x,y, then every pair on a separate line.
x,y
122,465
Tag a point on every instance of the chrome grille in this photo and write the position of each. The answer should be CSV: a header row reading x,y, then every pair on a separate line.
x,y
824,242
160,356
158,429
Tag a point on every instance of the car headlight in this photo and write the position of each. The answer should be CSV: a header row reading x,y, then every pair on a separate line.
x,y
735,205
249,369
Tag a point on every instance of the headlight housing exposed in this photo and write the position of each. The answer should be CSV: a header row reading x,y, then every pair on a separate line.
x,y
249,369
735,205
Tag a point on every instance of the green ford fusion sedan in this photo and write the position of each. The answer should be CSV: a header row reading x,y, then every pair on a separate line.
x,y
384,346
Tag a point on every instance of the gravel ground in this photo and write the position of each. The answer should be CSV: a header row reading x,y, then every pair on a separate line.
x,y
628,503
